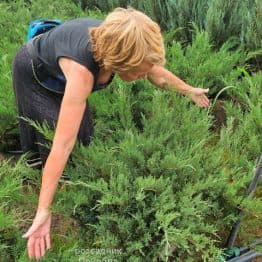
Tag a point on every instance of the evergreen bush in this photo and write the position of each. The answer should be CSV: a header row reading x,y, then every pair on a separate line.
x,y
15,204
165,189
222,19
156,183
199,65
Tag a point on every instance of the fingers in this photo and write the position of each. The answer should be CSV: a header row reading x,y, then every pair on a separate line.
x,y
38,237
47,241
31,247
199,97
42,246
37,248
201,100
205,101
205,104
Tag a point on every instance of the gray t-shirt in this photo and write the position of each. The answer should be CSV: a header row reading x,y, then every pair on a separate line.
x,y
70,39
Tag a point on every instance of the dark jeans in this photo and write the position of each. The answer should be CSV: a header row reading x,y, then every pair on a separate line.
x,y
40,105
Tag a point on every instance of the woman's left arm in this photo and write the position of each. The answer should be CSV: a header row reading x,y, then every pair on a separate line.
x,y
163,78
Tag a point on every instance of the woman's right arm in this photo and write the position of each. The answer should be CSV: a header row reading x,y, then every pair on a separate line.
x,y
78,87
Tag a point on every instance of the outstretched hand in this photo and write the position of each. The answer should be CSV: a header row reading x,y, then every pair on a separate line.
x,y
39,235
198,96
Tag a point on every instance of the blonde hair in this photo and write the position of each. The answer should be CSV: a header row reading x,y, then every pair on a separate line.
x,y
126,38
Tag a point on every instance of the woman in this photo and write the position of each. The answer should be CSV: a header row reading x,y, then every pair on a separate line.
x,y
68,63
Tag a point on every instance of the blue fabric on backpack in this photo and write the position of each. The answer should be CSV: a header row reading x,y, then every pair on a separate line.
x,y
40,26
37,27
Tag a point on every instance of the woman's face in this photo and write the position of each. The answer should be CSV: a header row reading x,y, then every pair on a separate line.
x,y
139,72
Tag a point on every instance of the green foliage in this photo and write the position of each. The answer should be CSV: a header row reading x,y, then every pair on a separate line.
x,y
15,17
253,31
235,19
181,14
199,65
166,182
11,212
156,183
169,14
221,19
43,128
244,121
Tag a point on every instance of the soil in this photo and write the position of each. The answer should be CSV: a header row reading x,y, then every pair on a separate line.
x,y
2,157
259,259
62,224
13,158
219,115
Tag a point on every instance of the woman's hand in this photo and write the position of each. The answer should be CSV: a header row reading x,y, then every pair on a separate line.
x,y
163,78
198,96
39,235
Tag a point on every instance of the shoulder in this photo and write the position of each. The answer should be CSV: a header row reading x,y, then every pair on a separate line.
x,y
73,69
84,21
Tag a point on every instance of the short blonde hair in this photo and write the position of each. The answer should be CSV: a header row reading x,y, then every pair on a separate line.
x,y
126,38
